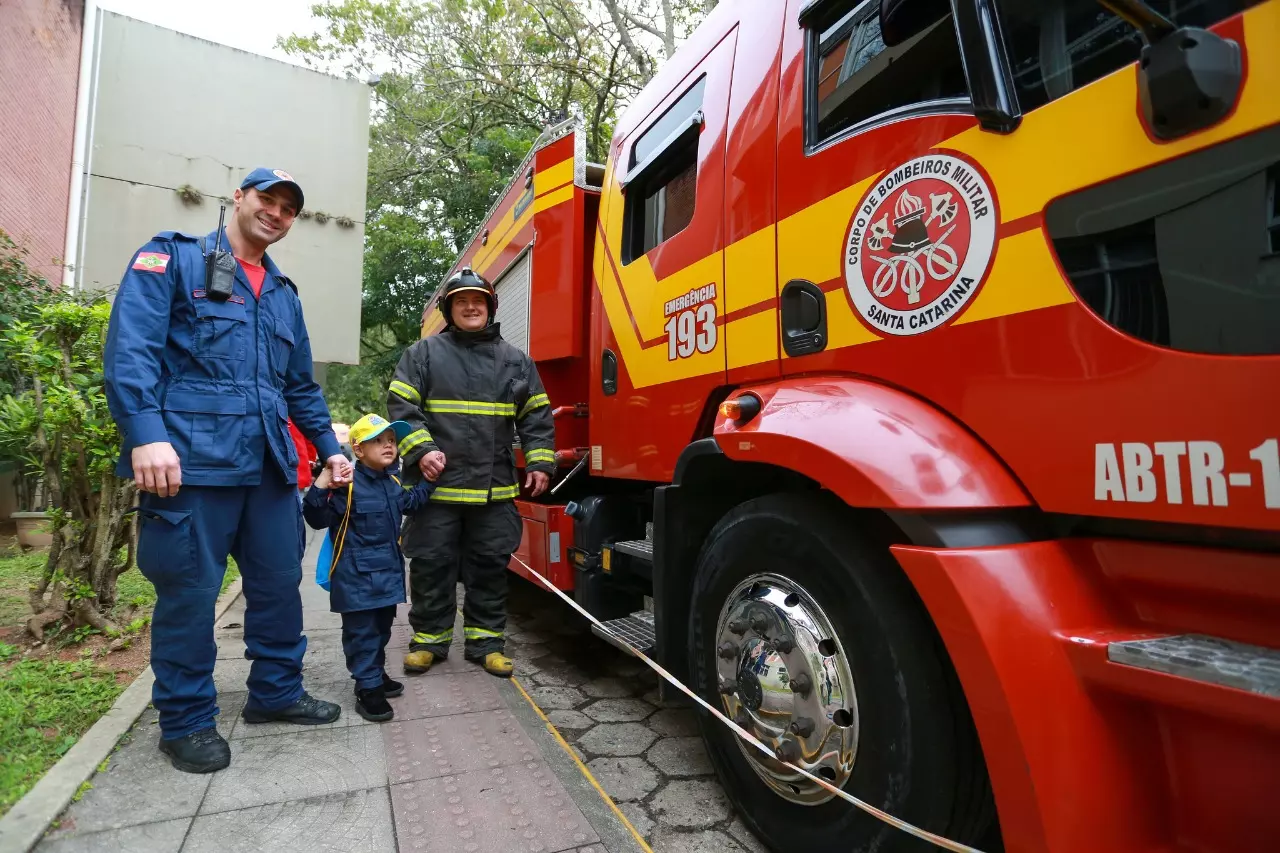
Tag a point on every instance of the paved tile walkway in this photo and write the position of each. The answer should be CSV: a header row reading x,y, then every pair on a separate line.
x,y
465,766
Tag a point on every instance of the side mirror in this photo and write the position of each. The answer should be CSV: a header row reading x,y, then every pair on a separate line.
x,y
902,20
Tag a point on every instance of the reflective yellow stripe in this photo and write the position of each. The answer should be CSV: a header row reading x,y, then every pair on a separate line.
x,y
537,401
408,392
445,636
460,496
470,407
480,633
502,493
539,455
413,439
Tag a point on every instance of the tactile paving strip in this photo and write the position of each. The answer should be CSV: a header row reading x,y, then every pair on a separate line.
x,y
520,808
444,746
438,695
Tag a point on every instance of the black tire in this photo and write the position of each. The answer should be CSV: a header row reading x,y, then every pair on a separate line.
x,y
918,757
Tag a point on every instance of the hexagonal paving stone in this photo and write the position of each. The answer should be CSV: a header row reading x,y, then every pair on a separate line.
x,y
607,688
674,722
624,778
557,698
680,756
692,804
618,710
617,739
570,720
666,841
559,678
638,817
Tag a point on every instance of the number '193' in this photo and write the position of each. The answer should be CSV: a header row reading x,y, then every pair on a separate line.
x,y
691,330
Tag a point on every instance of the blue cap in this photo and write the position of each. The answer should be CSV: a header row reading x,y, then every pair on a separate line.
x,y
263,179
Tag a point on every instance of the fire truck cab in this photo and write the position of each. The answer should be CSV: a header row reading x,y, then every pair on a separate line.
x,y
914,367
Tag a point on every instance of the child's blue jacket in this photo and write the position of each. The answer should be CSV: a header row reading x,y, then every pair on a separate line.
x,y
370,569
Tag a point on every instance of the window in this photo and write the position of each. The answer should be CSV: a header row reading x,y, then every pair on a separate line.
x,y
1182,254
1273,210
1058,46
855,77
662,179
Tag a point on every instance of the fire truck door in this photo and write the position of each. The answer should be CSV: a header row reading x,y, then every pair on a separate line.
x,y
850,110
658,343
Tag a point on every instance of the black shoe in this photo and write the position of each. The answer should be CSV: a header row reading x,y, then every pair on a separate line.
x,y
372,704
307,711
204,751
391,688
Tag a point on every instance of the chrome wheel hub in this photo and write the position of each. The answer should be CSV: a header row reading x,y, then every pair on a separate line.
x,y
783,677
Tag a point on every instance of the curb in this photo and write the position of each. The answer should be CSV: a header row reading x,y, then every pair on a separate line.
x,y
25,824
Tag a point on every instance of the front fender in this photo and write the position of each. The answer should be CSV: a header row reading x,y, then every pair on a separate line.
x,y
872,445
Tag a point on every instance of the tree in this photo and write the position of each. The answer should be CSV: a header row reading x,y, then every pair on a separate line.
x,y
465,88
60,428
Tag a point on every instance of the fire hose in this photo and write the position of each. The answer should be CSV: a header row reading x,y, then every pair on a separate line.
x,y
910,829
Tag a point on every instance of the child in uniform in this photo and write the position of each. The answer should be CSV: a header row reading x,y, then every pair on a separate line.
x,y
367,578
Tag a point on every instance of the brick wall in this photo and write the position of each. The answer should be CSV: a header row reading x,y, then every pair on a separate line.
x,y
39,67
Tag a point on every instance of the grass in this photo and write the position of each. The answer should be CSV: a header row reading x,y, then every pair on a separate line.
x,y
19,572
46,705
16,574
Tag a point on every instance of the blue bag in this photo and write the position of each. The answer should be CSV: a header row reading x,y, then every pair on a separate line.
x,y
328,558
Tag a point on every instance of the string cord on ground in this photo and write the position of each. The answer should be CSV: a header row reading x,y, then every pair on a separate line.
x,y
897,823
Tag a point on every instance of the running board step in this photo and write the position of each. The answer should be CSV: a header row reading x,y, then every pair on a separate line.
x,y
636,629
1212,660
641,549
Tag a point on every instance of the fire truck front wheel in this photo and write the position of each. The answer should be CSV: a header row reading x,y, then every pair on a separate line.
x,y
808,635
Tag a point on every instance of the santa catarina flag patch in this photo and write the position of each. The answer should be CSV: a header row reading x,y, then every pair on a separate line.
x,y
151,262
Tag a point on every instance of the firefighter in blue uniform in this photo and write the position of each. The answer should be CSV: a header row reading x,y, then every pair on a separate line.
x,y
202,386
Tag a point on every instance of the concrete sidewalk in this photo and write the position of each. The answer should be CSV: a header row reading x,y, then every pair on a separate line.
x,y
466,765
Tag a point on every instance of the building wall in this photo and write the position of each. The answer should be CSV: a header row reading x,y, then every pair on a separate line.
x,y
39,67
170,110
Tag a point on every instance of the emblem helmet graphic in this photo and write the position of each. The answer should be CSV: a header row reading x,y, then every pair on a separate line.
x,y
920,244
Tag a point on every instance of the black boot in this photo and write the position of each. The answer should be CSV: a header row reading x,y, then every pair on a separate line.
x,y
372,704
307,711
204,751
390,687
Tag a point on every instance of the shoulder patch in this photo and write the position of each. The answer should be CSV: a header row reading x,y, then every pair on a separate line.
x,y
151,262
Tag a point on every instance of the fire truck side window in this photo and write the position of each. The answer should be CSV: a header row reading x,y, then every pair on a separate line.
x,y
1184,254
664,163
854,77
1058,46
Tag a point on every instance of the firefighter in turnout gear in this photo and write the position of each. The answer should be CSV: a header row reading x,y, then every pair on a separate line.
x,y
467,394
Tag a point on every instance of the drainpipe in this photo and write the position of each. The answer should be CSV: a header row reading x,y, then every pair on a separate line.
x,y
79,151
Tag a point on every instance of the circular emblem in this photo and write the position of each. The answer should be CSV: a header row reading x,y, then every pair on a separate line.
x,y
920,244
282,175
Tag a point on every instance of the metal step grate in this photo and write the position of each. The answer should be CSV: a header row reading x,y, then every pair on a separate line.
x,y
1208,659
636,629
641,549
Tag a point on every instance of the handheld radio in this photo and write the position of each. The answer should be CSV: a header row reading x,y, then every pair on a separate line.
x,y
219,267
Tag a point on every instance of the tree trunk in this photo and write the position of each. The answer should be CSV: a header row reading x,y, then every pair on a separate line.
x,y
637,55
668,29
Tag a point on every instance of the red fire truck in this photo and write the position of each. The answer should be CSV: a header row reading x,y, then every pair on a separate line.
x,y
915,371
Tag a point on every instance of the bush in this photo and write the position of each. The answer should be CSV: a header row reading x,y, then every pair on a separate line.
x,y
56,423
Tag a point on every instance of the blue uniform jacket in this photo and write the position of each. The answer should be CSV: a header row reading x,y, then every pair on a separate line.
x,y
217,380
370,569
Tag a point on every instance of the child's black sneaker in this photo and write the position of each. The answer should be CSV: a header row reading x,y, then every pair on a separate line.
x,y
390,687
372,704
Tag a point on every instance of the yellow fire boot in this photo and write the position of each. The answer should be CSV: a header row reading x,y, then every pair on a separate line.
x,y
498,664
419,661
